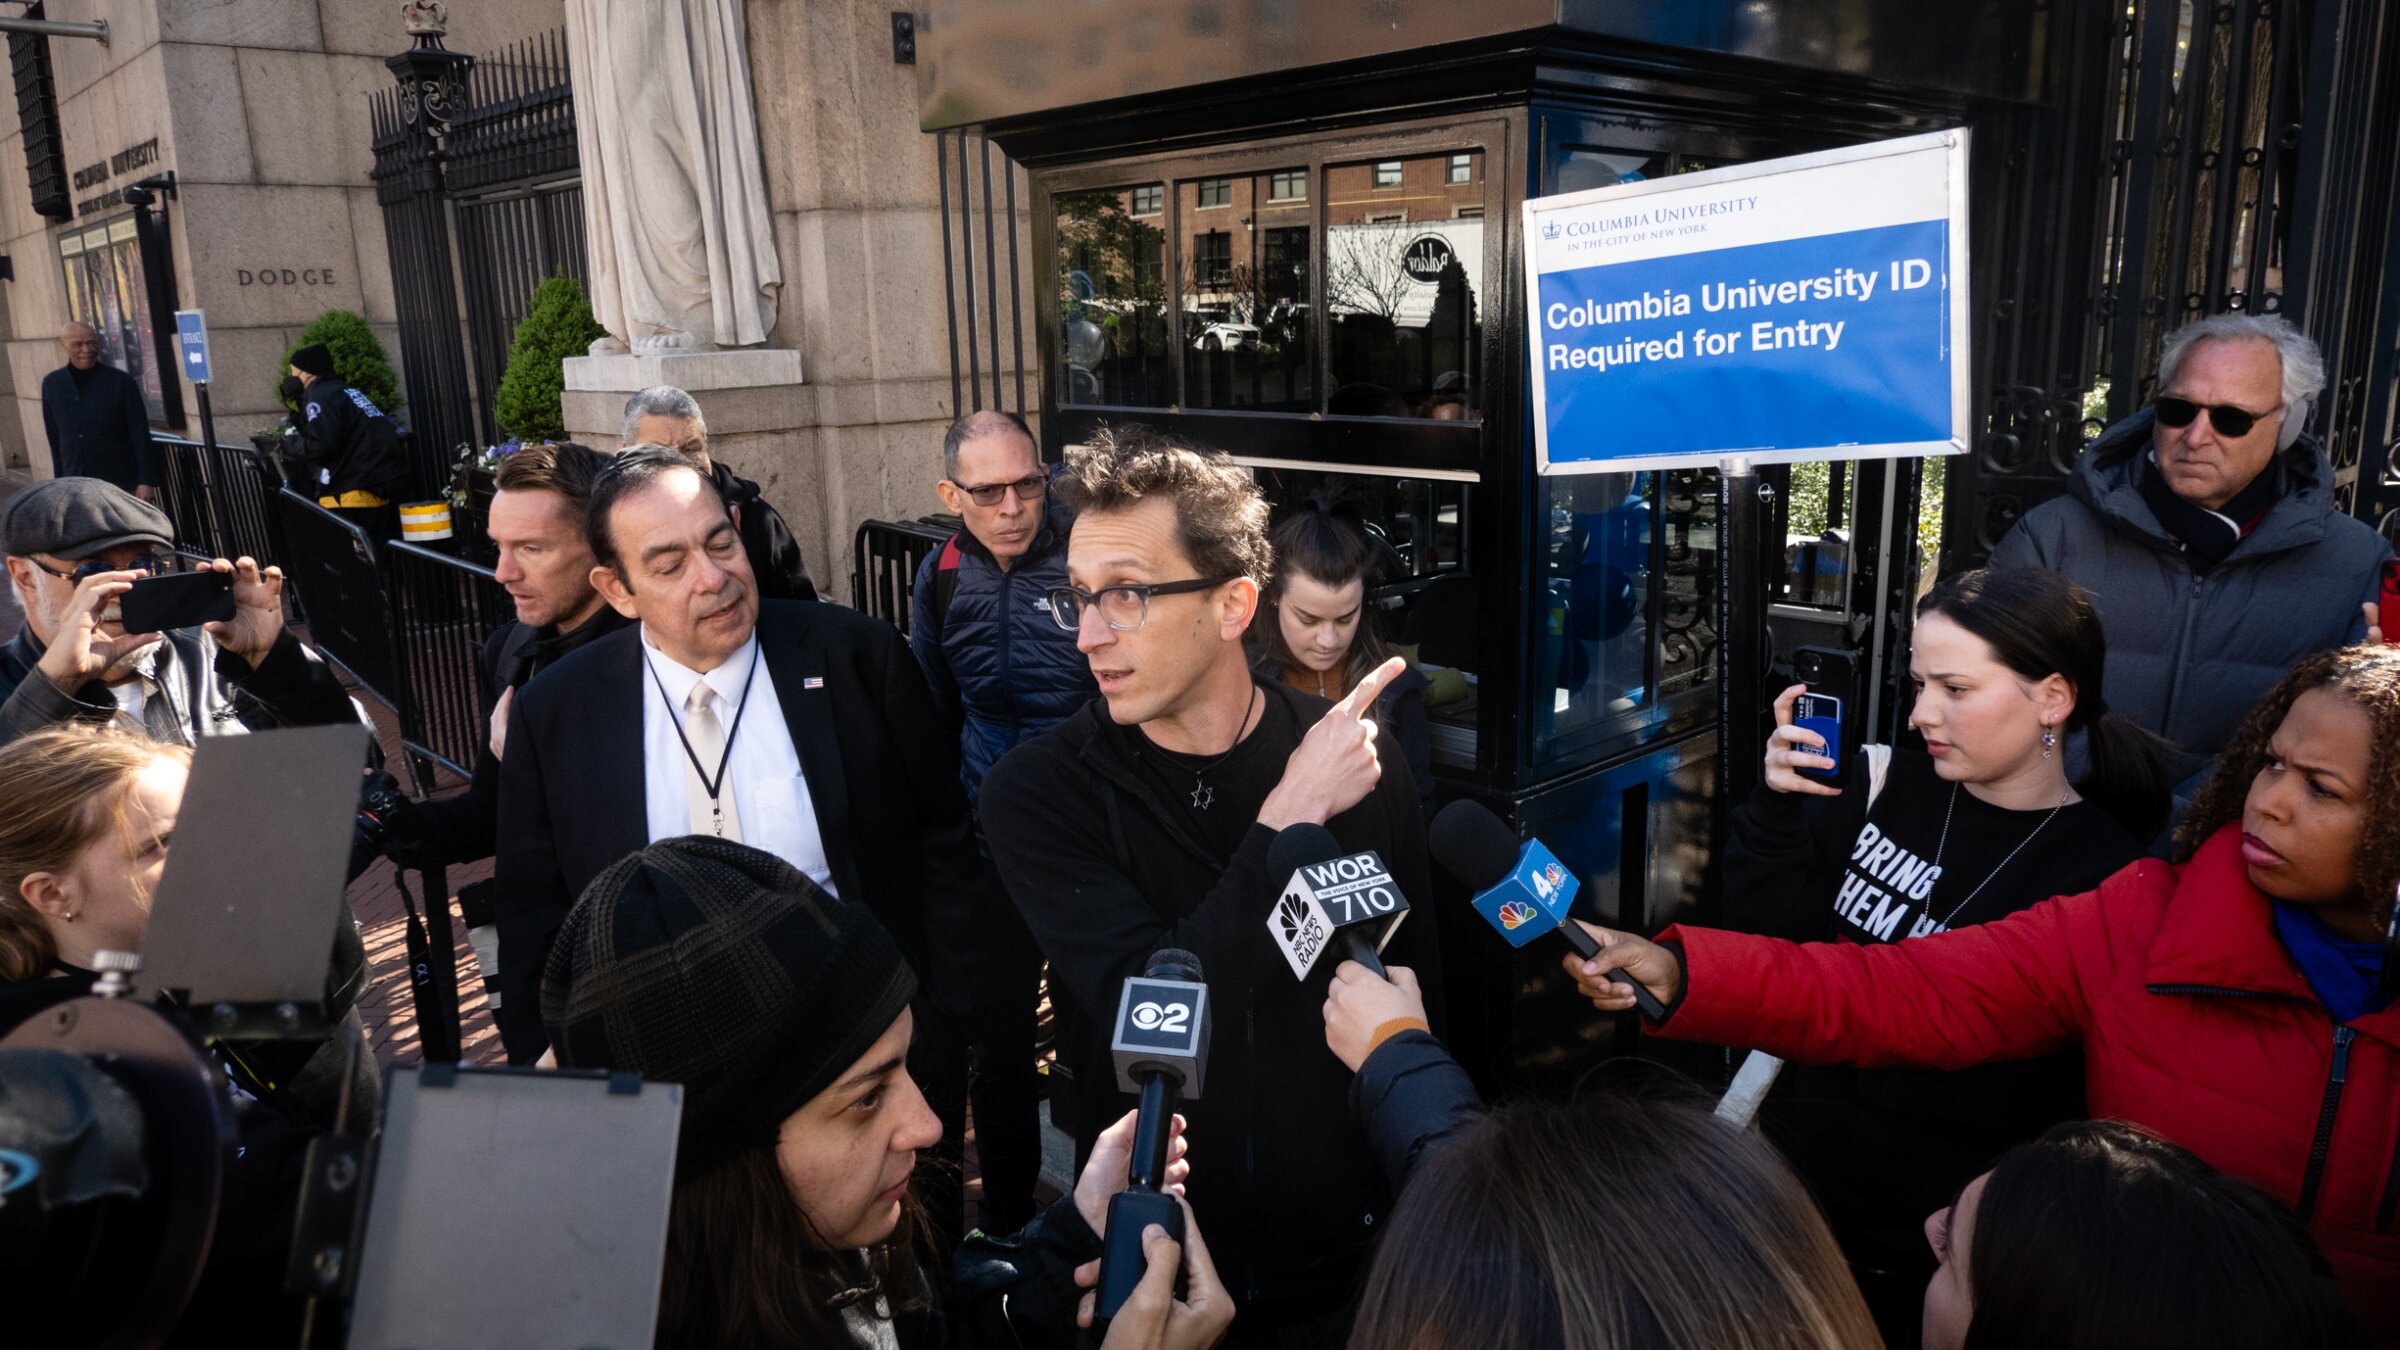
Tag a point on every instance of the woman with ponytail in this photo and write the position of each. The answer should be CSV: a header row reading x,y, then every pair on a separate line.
x,y
1984,821
1314,632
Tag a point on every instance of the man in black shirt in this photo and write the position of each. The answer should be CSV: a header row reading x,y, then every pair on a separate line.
x,y
665,415
97,423
1144,821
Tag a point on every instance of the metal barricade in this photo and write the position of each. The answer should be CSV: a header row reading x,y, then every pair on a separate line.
x,y
886,555
217,495
334,567
443,608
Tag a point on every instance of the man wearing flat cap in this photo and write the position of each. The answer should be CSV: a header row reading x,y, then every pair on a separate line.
x,y
74,547
348,448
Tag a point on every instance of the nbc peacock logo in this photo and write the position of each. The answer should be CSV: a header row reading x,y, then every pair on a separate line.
x,y
1515,914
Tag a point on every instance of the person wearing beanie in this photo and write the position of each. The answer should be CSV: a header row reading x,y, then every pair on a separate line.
x,y
74,546
782,1010
348,448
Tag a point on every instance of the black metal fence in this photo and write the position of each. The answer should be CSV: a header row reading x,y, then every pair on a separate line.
x,y
443,608
477,174
885,555
332,564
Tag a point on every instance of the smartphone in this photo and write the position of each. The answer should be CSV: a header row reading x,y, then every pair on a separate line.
x,y
177,600
2388,608
1822,714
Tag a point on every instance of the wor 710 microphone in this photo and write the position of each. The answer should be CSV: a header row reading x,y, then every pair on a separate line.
x,y
1161,1049
1335,899
1523,892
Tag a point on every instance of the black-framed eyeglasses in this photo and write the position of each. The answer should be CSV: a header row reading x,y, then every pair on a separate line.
x,y
2224,418
1027,489
156,564
1121,607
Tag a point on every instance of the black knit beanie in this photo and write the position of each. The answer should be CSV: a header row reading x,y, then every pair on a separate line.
x,y
316,359
720,967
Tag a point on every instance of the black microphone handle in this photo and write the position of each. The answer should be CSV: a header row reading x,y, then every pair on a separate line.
x,y
1153,1132
1587,947
1357,948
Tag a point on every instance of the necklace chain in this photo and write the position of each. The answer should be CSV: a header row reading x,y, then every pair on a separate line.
x,y
1204,796
1944,843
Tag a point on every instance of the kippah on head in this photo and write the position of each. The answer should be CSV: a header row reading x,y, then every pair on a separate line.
x,y
720,967
316,359
74,518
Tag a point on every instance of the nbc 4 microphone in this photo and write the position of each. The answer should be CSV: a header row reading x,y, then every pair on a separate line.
x,y
1336,899
1523,891
1161,1050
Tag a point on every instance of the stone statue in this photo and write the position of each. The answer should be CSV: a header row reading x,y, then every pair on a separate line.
x,y
679,242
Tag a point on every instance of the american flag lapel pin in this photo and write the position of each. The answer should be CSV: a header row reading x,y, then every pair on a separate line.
x,y
813,682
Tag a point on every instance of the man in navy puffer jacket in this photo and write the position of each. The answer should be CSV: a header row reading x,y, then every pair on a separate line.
x,y
1001,671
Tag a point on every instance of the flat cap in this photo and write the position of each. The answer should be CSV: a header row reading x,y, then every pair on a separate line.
x,y
74,518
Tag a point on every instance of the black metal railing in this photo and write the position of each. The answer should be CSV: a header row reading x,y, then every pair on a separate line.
x,y
442,610
885,556
334,567
218,497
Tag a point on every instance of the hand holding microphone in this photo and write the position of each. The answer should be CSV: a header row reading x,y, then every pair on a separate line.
x,y
1359,1003
1110,1167
1161,1051
1524,891
1623,970
1153,1317
1335,900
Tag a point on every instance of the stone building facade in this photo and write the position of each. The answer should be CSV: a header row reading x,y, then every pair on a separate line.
x,y
259,109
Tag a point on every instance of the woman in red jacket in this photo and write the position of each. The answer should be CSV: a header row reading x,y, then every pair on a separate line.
x,y
2234,1002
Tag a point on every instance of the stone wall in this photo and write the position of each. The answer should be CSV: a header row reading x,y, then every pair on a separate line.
x,y
857,210
260,108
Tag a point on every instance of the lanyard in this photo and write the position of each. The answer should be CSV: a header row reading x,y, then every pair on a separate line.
x,y
716,784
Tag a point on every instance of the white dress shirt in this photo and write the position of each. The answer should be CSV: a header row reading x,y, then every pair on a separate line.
x,y
770,794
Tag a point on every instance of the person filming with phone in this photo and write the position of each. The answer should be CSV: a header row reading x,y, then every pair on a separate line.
x,y
1980,823
119,628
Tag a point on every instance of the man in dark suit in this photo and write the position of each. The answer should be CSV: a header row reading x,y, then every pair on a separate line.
x,y
96,421
802,729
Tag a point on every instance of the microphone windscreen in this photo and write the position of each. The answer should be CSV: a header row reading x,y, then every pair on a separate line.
x,y
1174,963
1298,846
1472,844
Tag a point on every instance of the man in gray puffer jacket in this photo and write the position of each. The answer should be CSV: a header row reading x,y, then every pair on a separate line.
x,y
2205,530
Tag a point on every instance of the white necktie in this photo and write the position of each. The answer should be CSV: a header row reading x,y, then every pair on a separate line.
x,y
709,815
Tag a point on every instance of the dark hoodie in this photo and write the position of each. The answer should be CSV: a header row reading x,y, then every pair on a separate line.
x,y
2189,654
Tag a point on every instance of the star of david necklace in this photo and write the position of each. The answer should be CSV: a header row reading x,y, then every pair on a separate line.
x,y
1204,796
1944,843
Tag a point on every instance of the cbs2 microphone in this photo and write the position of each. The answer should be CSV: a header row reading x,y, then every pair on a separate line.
x,y
1522,891
1160,1044
1339,900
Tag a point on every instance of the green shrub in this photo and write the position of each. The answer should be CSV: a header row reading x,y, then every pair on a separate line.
x,y
357,358
558,324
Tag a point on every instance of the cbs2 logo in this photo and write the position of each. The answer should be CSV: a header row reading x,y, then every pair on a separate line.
x,y
1168,1017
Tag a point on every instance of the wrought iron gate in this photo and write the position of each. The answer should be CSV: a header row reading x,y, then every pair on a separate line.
x,y
2190,157
477,173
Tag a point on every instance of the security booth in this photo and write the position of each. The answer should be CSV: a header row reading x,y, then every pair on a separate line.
x,y
1292,232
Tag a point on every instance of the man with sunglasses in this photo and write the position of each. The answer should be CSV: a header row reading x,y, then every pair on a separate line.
x,y
1001,671
75,546
2205,529
1145,821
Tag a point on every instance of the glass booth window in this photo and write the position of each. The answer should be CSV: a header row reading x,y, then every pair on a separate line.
x,y
1244,293
1419,597
105,289
1112,304
1403,275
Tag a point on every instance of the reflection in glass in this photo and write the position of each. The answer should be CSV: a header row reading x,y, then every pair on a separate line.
x,y
1246,335
1589,660
1113,299
1403,265
106,289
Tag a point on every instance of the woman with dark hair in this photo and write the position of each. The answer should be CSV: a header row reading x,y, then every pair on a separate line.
x,y
1609,1224
1982,822
2102,1236
783,1011
2238,1001
1314,632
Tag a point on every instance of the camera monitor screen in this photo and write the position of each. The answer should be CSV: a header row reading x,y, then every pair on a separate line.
x,y
246,909
516,1211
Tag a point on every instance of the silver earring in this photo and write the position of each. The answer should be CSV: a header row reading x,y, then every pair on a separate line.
x,y
2049,740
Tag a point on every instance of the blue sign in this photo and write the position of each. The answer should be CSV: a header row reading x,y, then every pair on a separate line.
x,y
191,335
1532,899
1810,308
